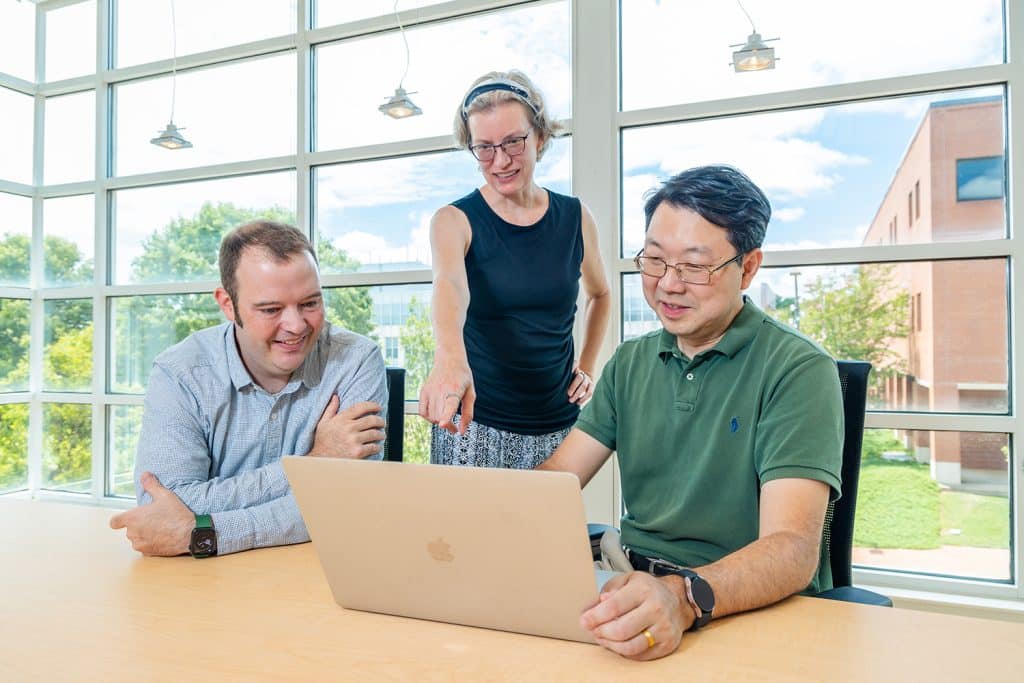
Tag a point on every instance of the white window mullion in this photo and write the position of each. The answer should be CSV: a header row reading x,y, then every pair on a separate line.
x,y
595,180
100,241
304,126
1014,14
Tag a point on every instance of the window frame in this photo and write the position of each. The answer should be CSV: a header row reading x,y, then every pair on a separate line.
x,y
596,149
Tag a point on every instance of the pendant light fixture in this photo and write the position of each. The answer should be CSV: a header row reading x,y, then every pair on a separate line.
x,y
171,137
399,105
753,55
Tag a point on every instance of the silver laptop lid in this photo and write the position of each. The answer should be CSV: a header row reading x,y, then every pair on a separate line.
x,y
502,549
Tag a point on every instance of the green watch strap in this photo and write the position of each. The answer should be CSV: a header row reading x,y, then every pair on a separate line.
x,y
204,522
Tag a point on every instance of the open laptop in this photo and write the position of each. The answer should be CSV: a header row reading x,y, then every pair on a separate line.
x,y
497,548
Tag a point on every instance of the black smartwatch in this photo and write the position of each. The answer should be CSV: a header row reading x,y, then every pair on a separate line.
x,y
204,538
699,593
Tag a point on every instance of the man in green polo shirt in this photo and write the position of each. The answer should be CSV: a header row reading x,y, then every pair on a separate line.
x,y
728,427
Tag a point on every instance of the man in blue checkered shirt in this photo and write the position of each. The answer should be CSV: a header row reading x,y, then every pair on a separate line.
x,y
226,403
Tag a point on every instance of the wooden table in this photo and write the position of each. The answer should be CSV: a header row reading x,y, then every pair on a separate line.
x,y
78,604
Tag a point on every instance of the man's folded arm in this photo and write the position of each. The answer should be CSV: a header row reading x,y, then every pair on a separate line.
x,y
173,446
369,383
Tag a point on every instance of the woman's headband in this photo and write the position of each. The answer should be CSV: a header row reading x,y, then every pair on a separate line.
x,y
497,84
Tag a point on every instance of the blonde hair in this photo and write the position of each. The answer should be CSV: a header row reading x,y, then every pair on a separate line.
x,y
498,87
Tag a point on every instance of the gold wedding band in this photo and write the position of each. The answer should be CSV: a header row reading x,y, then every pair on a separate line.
x,y
650,639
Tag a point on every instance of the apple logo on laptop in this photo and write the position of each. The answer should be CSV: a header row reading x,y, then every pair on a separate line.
x,y
440,550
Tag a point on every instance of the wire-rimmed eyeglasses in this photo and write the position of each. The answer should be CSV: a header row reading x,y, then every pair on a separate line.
x,y
513,147
690,273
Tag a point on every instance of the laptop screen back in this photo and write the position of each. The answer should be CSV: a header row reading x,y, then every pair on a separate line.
x,y
497,548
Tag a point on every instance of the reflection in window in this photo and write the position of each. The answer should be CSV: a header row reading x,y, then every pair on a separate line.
x,y
172,233
697,37
68,244
143,326
535,39
14,330
16,136
377,213
124,428
143,33
67,447
979,178
71,41
239,111
69,138
67,349
13,447
935,502
824,184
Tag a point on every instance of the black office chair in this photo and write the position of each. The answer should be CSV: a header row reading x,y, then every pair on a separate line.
x,y
838,536
838,532
395,429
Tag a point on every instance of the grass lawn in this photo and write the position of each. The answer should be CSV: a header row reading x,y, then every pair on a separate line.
x,y
983,521
899,506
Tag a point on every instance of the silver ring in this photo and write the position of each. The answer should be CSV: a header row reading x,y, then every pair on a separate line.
x,y
452,394
585,375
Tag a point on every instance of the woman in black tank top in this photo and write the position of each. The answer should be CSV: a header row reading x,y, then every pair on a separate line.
x,y
508,261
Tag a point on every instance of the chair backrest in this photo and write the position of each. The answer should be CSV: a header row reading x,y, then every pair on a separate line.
x,y
395,429
838,535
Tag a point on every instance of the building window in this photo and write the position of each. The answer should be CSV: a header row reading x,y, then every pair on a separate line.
x,y
917,199
980,178
910,209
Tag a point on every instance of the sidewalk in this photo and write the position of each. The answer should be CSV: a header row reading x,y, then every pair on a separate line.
x,y
983,563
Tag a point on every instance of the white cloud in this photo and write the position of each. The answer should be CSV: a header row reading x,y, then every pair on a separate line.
x,y
788,214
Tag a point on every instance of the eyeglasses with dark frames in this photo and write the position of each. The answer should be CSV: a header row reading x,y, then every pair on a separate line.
x,y
690,273
513,147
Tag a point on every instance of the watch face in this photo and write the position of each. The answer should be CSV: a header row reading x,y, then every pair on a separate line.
x,y
702,594
204,542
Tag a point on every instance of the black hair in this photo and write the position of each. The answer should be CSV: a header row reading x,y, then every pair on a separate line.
x,y
720,194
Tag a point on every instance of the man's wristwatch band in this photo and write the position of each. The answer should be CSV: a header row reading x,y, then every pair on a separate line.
x,y
699,595
204,538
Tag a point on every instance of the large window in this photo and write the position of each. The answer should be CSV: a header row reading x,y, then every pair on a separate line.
x,y
893,237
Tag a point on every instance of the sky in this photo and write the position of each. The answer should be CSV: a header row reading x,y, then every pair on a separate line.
x,y
825,170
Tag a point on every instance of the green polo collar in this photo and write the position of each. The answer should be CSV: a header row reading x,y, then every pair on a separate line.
x,y
740,333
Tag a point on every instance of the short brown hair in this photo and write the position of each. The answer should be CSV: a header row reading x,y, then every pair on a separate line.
x,y
534,104
280,240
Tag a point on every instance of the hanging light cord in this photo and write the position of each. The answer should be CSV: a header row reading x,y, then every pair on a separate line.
x,y
405,40
752,29
174,61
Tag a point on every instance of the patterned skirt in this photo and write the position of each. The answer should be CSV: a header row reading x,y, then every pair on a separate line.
x,y
483,446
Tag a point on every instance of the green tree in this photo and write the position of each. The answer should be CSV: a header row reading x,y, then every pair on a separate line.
x,y
417,339
68,364
13,446
64,263
858,315
184,250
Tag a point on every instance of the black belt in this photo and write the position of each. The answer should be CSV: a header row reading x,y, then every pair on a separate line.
x,y
652,565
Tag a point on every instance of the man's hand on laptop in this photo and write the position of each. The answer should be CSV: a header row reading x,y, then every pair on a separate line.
x,y
639,616
162,527
356,432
